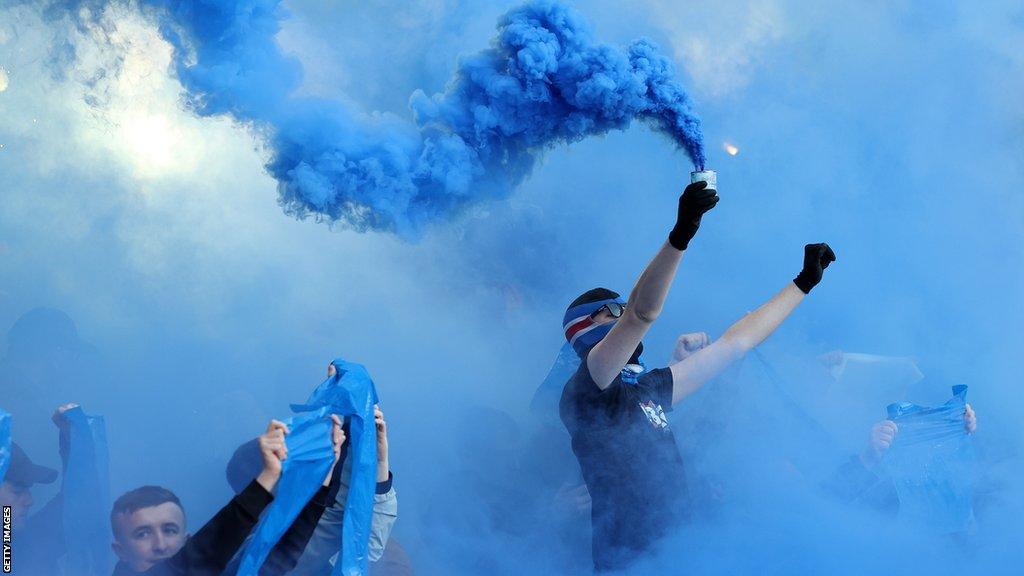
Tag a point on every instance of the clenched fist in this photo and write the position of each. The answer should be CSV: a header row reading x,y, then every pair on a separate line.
x,y
338,439
274,451
884,433
687,344
817,257
694,202
383,465
879,442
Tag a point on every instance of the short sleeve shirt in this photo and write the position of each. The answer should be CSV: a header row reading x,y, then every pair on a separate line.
x,y
629,460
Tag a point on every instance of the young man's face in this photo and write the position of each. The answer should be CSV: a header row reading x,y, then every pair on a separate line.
x,y
19,498
149,535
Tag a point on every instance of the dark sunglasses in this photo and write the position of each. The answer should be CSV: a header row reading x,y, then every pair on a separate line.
x,y
613,308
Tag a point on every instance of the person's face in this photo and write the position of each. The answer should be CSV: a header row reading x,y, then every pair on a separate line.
x,y
149,535
19,498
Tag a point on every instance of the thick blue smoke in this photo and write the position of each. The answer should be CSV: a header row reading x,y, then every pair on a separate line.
x,y
543,82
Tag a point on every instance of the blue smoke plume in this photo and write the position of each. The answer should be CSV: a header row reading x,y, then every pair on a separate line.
x,y
543,82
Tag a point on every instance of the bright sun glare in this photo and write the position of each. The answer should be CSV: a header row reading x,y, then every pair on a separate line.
x,y
149,141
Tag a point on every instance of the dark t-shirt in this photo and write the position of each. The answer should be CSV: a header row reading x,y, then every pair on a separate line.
x,y
629,460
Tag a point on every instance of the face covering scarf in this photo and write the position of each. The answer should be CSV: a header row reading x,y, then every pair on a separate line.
x,y
350,392
580,330
86,491
5,443
581,335
931,464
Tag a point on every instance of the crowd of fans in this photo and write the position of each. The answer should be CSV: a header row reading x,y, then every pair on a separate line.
x,y
598,457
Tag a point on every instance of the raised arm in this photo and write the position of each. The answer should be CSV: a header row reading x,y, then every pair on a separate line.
x,y
212,547
286,553
690,374
646,300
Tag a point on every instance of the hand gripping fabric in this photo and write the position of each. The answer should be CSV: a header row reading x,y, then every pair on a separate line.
x,y
87,494
931,464
350,392
310,456
5,443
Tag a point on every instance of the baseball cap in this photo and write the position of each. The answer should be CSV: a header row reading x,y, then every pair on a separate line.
x,y
25,472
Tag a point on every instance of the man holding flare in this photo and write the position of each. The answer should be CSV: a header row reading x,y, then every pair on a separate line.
x,y
614,407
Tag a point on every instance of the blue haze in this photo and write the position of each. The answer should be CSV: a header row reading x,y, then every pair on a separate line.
x,y
893,131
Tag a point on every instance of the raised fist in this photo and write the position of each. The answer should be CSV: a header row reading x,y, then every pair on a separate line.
x,y
882,435
817,257
687,344
693,203
273,451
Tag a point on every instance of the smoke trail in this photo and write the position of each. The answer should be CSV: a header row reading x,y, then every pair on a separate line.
x,y
543,82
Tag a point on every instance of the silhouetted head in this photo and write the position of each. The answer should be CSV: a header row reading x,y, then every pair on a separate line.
x,y
245,465
16,489
148,525
44,332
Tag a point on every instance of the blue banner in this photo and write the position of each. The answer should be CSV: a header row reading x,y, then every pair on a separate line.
x,y
86,493
310,456
350,392
5,443
931,464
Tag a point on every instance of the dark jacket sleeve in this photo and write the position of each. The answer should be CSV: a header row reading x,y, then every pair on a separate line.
x,y
285,554
211,548
41,540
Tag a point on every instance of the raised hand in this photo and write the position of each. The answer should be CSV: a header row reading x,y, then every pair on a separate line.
x,y
383,467
817,257
693,203
687,344
274,451
58,414
882,435
338,439
970,420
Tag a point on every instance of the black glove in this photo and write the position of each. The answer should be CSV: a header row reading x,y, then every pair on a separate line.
x,y
694,202
817,257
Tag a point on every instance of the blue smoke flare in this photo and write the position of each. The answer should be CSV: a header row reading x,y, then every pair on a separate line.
x,y
543,82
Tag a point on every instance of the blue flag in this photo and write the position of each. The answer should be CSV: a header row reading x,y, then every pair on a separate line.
x,y
931,464
310,456
350,392
5,443
87,495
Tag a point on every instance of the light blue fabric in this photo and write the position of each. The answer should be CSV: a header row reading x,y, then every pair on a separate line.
x,y
322,551
86,493
544,404
931,464
5,443
350,392
310,456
